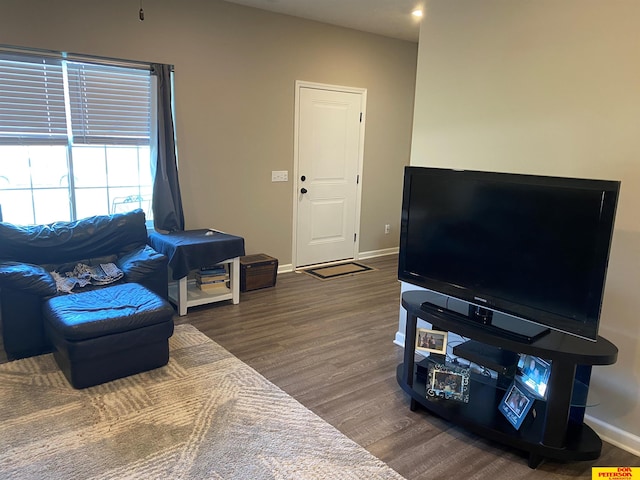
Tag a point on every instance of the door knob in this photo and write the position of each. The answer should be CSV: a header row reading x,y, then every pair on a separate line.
x,y
303,190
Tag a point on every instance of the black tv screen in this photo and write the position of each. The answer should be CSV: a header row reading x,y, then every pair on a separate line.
x,y
532,247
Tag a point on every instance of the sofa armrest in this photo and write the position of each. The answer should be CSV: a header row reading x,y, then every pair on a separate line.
x,y
28,278
143,263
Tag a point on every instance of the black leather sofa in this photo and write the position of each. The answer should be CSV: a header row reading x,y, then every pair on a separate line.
x,y
29,253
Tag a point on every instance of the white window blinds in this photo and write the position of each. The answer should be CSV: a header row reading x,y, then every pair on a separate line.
x,y
32,105
109,105
104,104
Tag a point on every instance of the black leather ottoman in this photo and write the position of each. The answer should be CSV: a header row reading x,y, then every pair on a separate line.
x,y
108,333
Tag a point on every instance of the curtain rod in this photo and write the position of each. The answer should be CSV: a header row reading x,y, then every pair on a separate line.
x,y
119,62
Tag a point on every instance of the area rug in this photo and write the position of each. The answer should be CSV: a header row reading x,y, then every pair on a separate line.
x,y
335,271
206,415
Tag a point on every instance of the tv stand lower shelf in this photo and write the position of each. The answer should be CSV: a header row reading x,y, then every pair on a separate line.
x,y
582,444
554,426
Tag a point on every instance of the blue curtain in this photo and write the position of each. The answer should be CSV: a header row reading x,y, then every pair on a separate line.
x,y
167,203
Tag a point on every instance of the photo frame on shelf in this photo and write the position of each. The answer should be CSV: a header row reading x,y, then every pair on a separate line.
x,y
432,341
534,374
450,382
516,403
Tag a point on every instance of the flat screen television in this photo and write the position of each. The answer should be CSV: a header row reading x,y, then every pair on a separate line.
x,y
534,248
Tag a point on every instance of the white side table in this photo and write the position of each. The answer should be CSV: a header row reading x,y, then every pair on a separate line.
x,y
191,250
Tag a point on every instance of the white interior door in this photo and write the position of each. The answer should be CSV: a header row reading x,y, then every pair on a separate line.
x,y
330,135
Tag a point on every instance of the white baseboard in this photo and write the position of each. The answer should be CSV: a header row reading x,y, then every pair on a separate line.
x,y
378,253
285,268
614,435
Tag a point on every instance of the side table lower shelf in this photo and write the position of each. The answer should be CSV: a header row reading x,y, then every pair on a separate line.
x,y
184,293
481,416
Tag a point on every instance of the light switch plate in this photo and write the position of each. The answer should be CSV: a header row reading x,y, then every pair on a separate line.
x,y
279,176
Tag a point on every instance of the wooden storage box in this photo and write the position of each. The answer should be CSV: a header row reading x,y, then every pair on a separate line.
x,y
257,271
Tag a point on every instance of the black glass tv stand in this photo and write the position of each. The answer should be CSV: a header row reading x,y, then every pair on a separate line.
x,y
556,430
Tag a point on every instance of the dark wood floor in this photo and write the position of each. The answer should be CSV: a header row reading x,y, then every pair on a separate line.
x,y
329,344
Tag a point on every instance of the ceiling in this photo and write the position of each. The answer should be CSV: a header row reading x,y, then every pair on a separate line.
x,y
391,18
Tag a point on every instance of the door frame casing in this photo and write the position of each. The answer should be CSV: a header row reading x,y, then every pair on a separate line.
x,y
296,159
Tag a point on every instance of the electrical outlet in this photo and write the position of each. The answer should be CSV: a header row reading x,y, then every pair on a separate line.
x,y
387,229
279,176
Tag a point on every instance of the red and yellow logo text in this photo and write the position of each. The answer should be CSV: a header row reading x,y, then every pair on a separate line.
x,y
615,473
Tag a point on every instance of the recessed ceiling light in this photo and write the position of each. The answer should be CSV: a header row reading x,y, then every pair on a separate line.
x,y
417,13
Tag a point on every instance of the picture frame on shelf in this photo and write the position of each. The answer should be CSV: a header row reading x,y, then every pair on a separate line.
x,y
534,373
449,382
432,341
516,403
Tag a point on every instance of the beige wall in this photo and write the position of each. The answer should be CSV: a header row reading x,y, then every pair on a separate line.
x,y
236,69
547,87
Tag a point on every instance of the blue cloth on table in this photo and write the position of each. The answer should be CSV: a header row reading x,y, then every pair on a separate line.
x,y
193,249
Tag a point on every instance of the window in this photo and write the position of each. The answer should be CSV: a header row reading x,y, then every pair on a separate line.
x,y
74,139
